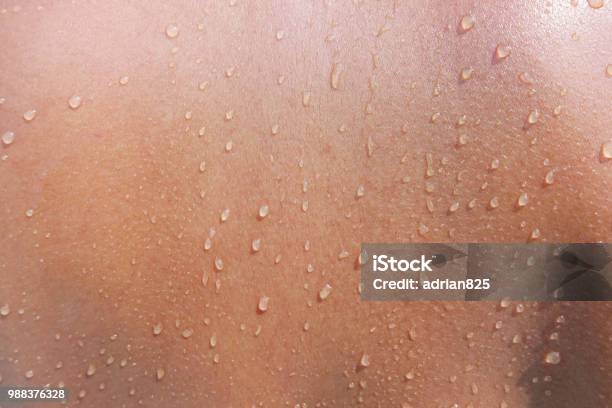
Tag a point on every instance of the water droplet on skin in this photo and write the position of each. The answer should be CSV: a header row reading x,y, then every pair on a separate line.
x,y
522,200
229,115
74,102
526,78
493,203
306,98
467,23
29,374
203,85
124,80
262,306
213,341
336,74
305,205
502,52
207,244
172,31
596,3
160,373
549,178
8,137
229,146
256,245
263,212
187,333
224,215
360,192
535,234
29,115
453,207
202,166
5,310
533,117
82,394
462,140
423,230
552,357
370,146
91,370
230,72
218,264
157,329
325,292
435,117
280,34
188,115
606,150
364,361
557,110
466,73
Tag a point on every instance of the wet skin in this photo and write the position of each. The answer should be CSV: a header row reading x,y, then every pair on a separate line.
x,y
115,244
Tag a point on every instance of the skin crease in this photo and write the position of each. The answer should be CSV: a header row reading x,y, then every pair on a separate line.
x,y
121,209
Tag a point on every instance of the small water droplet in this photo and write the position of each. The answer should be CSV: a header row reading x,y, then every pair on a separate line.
x,y
502,52
256,245
453,207
549,178
229,146
262,305
552,357
124,80
5,310
522,200
263,211
360,192
187,333
533,117
218,264
8,137
172,31
74,102
364,361
91,370
157,329
466,73
467,23
160,373
493,203
225,215
526,78
29,116
325,292
280,34
336,74
29,374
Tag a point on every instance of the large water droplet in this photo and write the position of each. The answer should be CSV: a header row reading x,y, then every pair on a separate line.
x,y
8,137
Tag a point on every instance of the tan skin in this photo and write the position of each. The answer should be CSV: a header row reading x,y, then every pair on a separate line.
x,y
121,210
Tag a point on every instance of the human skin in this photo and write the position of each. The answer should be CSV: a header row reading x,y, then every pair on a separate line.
x,y
115,242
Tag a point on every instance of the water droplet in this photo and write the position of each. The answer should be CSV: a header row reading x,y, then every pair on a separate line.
x,y
466,73
325,291
5,310
435,117
364,361
467,23
172,31
225,215
229,146
230,72
213,341
229,115
203,85
8,137
557,110
526,78
423,229
124,80
596,3
218,264
29,115
522,200
535,234
280,34
493,203
533,117
74,102
494,164
306,98
207,244
29,374
160,373
453,207
187,333
157,329
517,339
606,150
262,306
360,192
256,245
502,52
549,178
552,357
91,370
202,166
263,211
336,74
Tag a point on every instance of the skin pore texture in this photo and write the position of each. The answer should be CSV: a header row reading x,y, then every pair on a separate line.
x,y
138,263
